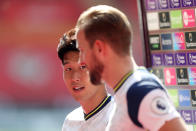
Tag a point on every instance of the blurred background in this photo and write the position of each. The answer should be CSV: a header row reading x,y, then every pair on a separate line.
x,y
33,96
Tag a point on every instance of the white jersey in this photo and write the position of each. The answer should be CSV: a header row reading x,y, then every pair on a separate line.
x,y
96,120
142,104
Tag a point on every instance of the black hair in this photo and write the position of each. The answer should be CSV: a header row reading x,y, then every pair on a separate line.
x,y
65,45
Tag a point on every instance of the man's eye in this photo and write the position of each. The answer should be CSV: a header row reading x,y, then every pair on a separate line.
x,y
83,67
68,69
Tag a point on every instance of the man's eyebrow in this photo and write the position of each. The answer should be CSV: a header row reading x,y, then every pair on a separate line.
x,y
65,62
82,63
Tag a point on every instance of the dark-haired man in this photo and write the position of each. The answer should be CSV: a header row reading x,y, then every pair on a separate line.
x,y
95,102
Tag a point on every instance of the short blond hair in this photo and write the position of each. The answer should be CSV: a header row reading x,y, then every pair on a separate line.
x,y
109,24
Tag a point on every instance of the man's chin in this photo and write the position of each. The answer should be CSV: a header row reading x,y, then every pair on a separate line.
x,y
96,82
96,72
95,79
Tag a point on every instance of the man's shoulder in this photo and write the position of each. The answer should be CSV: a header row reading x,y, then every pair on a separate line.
x,y
76,114
139,89
73,120
144,80
139,83
145,88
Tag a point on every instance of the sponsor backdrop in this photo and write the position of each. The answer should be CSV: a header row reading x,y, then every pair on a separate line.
x,y
170,40
33,95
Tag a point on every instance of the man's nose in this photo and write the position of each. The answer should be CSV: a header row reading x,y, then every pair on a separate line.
x,y
76,77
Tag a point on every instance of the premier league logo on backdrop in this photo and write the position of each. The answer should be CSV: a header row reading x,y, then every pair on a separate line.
x,y
190,38
164,20
182,76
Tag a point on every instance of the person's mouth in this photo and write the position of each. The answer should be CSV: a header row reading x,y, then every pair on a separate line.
x,y
78,88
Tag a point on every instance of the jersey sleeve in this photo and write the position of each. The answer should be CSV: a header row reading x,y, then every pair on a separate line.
x,y
64,127
149,106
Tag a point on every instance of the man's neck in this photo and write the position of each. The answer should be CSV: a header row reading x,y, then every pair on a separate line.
x,y
90,104
117,70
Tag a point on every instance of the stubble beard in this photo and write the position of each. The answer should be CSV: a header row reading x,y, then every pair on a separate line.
x,y
96,72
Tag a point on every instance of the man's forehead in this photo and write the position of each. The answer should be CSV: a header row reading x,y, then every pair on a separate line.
x,y
80,38
71,56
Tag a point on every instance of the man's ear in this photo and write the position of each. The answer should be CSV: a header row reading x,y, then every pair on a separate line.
x,y
99,48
